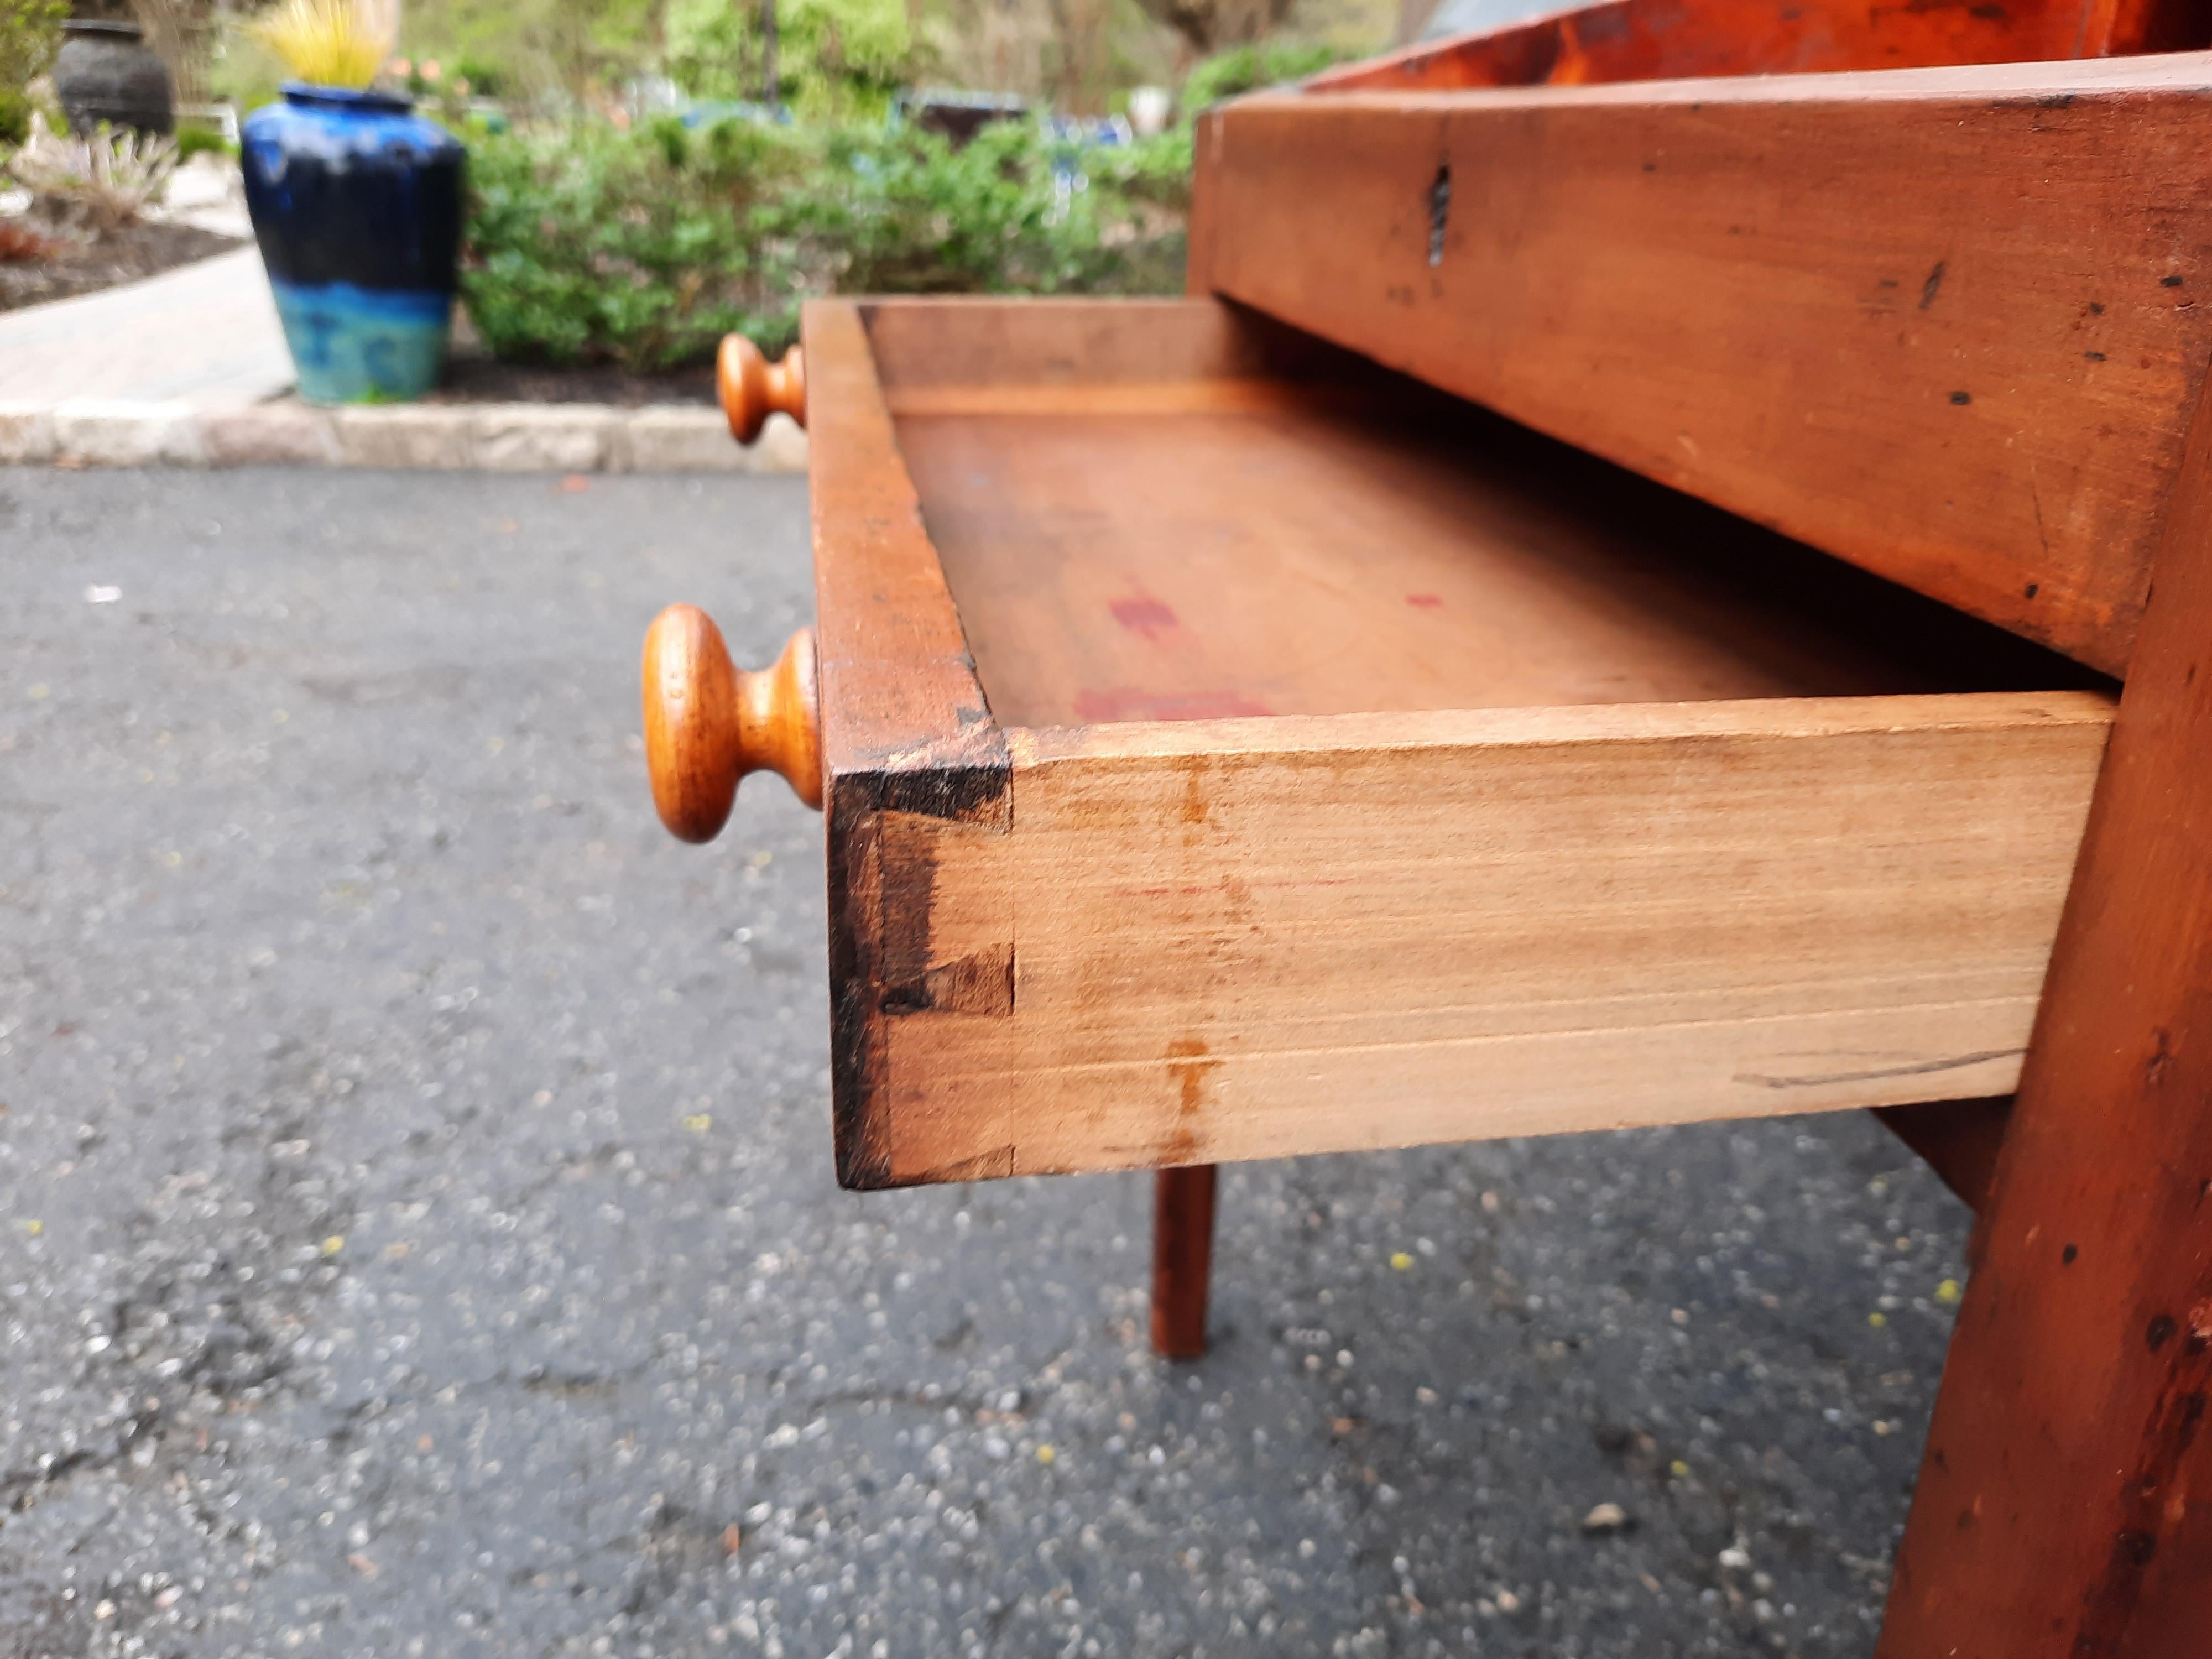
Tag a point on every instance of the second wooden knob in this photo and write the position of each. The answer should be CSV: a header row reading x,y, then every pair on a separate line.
x,y
751,388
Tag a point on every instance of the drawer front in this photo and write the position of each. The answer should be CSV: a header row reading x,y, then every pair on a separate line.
x,y
1063,947
1253,939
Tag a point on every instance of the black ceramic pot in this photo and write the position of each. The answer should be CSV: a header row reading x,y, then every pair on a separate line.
x,y
106,72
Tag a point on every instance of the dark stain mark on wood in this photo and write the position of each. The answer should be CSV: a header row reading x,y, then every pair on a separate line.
x,y
879,919
911,979
1962,397
980,983
1189,1061
1920,1069
1143,615
2169,282
1932,287
2069,1254
2161,1058
2095,357
2032,589
1195,804
2155,1504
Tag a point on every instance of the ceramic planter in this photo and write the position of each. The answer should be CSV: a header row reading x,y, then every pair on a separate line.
x,y
105,72
356,203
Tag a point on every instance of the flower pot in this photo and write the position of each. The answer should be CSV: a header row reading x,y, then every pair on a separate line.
x,y
356,203
106,71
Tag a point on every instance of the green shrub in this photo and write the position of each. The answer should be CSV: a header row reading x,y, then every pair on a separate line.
x,y
485,79
904,212
30,34
1245,69
644,248
835,59
588,243
15,117
192,140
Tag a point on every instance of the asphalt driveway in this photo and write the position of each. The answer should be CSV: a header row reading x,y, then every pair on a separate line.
x,y
417,1234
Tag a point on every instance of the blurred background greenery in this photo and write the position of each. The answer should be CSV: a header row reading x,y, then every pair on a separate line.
x,y
647,175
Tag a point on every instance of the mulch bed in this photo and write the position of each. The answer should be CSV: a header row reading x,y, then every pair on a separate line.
x,y
472,377
145,249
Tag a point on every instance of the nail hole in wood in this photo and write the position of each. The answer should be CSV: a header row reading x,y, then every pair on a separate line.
x,y
1439,212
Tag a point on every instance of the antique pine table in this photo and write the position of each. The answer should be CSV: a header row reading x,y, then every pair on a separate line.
x,y
1616,600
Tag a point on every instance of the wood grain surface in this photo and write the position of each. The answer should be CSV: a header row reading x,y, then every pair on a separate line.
x,y
1945,324
1254,938
1653,39
907,737
2062,1505
1336,555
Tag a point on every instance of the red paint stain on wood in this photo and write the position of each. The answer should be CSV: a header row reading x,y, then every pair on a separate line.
x,y
1129,702
1143,615
1426,601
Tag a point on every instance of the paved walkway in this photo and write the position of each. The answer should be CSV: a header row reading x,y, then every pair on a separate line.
x,y
205,332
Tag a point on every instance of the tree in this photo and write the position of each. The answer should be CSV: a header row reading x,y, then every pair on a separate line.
x,y
1208,26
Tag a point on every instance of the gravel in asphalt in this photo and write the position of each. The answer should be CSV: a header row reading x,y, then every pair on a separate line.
x,y
417,1233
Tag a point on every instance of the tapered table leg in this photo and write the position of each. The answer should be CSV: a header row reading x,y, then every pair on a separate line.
x,y
2065,1506
1182,1255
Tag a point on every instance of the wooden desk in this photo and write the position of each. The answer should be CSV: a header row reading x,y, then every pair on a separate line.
x,y
1235,744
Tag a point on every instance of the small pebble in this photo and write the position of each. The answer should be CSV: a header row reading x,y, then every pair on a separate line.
x,y
1605,1517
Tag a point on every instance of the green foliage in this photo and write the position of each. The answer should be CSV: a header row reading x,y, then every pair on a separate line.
x,y
245,69
192,140
485,80
903,212
835,59
544,53
30,34
589,243
1245,69
644,248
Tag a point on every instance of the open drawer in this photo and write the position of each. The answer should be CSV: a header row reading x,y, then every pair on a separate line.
x,y
1233,751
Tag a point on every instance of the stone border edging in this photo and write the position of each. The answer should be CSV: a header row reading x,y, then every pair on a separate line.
x,y
487,437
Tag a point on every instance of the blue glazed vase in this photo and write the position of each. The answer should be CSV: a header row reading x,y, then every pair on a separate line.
x,y
356,203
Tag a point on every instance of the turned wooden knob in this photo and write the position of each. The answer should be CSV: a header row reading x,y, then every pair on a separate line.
x,y
752,388
707,723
